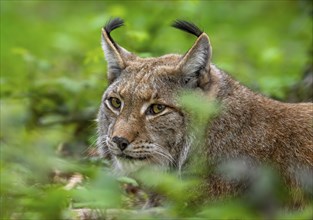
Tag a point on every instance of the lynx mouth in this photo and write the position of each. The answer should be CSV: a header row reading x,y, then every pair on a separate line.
x,y
124,156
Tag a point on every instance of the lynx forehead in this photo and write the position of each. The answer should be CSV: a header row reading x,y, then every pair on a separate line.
x,y
141,123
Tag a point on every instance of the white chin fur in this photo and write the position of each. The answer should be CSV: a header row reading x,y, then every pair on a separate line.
x,y
126,167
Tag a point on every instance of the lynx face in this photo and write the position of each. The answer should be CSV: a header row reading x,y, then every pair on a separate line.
x,y
140,121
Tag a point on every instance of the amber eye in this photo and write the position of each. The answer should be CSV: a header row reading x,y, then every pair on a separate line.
x,y
115,102
155,109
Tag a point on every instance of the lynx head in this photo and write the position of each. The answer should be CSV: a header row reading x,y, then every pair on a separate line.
x,y
140,121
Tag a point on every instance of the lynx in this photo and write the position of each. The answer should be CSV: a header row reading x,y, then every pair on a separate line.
x,y
141,122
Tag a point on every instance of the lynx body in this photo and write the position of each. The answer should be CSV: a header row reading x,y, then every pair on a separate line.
x,y
140,121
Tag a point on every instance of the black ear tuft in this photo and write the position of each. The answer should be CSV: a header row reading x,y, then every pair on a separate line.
x,y
187,26
111,25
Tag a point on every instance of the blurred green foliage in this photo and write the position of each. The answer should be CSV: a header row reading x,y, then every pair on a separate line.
x,y
53,76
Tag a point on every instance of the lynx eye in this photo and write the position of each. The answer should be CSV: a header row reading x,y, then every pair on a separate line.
x,y
115,102
155,109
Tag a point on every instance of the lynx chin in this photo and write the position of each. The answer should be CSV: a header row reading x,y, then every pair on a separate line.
x,y
141,122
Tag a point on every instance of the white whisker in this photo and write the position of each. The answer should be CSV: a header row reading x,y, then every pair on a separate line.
x,y
161,151
167,156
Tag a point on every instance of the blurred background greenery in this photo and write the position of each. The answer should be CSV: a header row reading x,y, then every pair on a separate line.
x,y
53,75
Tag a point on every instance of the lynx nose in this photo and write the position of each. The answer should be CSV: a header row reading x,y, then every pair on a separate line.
x,y
121,142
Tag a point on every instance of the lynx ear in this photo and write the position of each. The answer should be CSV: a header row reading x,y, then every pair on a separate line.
x,y
115,55
195,64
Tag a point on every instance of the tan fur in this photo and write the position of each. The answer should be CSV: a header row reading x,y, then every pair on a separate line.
x,y
249,125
